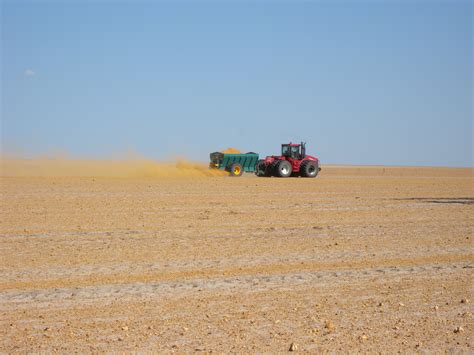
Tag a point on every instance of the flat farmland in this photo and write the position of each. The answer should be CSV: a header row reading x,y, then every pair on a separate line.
x,y
370,259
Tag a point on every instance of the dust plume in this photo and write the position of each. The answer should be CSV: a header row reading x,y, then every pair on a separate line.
x,y
124,168
231,151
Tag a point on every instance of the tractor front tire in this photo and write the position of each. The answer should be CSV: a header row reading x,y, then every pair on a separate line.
x,y
309,169
283,169
236,169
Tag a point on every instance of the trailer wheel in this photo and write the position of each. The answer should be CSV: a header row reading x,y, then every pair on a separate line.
x,y
236,170
283,169
309,169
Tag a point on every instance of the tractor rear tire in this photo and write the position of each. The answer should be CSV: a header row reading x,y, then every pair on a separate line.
x,y
236,169
261,169
272,168
309,169
283,169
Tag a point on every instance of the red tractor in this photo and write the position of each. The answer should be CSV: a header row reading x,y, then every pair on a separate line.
x,y
293,161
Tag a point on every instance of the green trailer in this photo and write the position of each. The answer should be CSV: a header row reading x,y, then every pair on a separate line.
x,y
235,164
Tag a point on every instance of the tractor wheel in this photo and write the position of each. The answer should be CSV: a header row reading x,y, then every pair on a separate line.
x,y
236,169
309,169
283,169
272,168
261,168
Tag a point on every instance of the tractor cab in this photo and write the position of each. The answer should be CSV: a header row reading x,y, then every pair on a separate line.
x,y
294,151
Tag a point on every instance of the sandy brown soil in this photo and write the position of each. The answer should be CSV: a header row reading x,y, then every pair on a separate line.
x,y
359,259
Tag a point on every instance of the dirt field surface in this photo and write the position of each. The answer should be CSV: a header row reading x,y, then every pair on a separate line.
x,y
367,259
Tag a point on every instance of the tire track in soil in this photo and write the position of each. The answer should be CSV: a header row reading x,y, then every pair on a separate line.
x,y
252,282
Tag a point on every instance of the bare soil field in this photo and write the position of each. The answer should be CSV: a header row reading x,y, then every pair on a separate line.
x,y
360,259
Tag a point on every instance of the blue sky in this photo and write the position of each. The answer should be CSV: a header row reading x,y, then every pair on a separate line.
x,y
361,82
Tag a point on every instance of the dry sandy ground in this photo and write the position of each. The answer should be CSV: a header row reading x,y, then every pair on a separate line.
x,y
366,259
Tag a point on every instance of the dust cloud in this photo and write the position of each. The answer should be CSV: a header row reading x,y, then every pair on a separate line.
x,y
122,168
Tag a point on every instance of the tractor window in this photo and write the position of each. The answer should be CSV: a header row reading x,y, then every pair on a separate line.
x,y
285,150
295,152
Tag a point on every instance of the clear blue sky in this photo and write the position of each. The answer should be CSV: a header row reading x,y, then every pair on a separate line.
x,y
387,82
